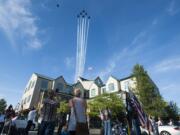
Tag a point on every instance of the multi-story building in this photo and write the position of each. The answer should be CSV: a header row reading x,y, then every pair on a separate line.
x,y
89,88
31,94
38,83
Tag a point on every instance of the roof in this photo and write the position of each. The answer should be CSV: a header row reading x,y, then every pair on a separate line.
x,y
83,79
126,78
114,77
98,83
43,76
86,84
62,78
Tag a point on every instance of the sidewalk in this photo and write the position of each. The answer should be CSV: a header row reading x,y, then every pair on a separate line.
x,y
92,132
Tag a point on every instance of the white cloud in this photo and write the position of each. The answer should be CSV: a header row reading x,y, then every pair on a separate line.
x,y
133,49
168,65
17,21
69,62
90,68
138,37
171,92
168,87
172,10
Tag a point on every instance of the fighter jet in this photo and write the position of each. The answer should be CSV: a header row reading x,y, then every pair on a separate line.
x,y
57,5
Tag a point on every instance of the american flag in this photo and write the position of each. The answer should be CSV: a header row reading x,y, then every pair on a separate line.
x,y
142,116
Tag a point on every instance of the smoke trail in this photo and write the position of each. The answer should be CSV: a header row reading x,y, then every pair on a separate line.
x,y
77,50
87,32
82,37
83,46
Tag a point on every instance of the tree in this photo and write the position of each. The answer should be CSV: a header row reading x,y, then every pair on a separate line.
x,y
3,105
111,101
172,110
64,108
147,93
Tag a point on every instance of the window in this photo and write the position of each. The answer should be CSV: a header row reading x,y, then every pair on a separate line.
x,y
126,86
29,86
33,83
103,90
25,101
98,81
93,92
69,90
111,87
29,98
44,84
60,86
25,90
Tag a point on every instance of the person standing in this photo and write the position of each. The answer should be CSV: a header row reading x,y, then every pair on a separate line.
x,y
107,122
159,122
101,116
31,119
9,115
78,120
154,125
48,114
170,122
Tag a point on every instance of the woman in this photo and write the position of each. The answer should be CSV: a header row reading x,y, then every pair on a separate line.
x,y
78,115
107,122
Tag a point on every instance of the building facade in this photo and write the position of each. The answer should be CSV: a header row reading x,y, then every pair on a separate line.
x,y
89,88
39,83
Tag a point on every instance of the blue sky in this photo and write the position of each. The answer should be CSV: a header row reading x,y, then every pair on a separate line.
x,y
37,36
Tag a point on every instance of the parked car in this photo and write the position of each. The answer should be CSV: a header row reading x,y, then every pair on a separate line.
x,y
169,130
20,122
164,130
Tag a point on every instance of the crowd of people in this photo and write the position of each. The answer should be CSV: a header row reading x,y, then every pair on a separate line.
x,y
73,124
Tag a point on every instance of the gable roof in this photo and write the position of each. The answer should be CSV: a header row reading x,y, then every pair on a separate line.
x,y
61,77
114,77
126,78
83,79
98,82
43,76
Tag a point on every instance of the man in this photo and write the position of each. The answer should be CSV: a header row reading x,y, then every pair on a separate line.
x,y
9,115
31,119
48,114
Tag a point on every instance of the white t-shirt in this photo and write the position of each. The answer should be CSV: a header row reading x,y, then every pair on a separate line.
x,y
32,115
159,123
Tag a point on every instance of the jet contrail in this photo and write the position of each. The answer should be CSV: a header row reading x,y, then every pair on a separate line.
x,y
82,37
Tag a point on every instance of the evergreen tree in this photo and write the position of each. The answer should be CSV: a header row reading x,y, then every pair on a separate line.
x,y
3,105
147,92
172,110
